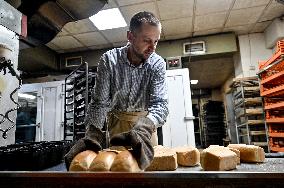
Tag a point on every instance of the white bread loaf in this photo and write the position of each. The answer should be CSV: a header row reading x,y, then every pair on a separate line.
x,y
125,162
218,158
238,153
249,153
187,155
164,159
82,161
232,149
103,161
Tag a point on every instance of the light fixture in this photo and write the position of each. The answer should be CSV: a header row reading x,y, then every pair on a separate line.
x,y
27,96
108,19
193,82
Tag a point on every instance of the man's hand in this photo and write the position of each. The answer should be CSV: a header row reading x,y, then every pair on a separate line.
x,y
139,137
92,141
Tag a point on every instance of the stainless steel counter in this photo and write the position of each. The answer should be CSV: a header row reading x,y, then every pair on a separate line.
x,y
268,174
270,165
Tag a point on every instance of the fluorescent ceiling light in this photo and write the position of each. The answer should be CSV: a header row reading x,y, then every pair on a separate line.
x,y
27,96
193,81
108,19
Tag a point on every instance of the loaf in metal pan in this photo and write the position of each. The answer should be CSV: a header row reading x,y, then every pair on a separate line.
x,y
82,161
125,162
103,161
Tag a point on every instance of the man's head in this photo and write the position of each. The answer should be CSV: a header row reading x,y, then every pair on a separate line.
x,y
144,34
141,18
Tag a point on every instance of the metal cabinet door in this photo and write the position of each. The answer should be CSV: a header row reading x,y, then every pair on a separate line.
x,y
52,129
49,116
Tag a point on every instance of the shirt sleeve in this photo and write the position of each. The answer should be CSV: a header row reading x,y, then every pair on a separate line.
x,y
100,98
158,104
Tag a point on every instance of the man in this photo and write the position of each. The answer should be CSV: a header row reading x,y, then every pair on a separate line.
x,y
131,91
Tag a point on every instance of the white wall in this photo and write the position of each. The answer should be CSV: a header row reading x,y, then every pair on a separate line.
x,y
238,65
252,50
274,32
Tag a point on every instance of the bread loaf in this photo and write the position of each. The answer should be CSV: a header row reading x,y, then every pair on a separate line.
x,y
82,161
249,153
232,149
103,161
218,158
164,159
238,153
187,156
125,162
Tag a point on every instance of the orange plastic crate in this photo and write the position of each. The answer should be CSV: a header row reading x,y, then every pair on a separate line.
x,y
273,103
275,106
272,89
277,91
275,76
276,144
275,57
276,130
274,116
272,81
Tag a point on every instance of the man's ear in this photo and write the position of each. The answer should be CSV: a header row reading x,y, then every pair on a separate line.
x,y
129,36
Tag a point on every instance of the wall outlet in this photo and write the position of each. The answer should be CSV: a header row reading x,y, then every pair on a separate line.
x,y
251,67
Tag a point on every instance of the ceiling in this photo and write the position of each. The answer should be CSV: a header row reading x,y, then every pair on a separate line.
x,y
179,18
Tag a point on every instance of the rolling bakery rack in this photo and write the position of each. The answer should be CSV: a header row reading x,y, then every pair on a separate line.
x,y
78,88
214,130
272,90
248,110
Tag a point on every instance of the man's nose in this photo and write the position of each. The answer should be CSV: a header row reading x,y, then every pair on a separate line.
x,y
153,46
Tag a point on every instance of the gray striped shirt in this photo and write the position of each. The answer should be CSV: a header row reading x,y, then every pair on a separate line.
x,y
123,87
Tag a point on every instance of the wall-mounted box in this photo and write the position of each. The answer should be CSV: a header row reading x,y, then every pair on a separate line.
x,y
73,61
173,63
194,48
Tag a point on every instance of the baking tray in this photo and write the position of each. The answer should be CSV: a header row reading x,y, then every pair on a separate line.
x,y
267,174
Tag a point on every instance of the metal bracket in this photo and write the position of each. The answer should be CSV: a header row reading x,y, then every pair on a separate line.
x,y
189,118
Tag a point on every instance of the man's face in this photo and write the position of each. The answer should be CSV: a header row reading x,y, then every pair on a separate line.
x,y
144,41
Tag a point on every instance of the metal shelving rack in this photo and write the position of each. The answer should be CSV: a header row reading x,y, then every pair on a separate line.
x,y
197,126
249,115
213,123
78,88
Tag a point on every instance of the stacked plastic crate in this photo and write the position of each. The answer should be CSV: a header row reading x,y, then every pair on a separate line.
x,y
272,89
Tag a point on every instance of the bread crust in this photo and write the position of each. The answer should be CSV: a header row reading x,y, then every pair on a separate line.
x,y
82,161
249,153
187,156
125,162
218,158
103,161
